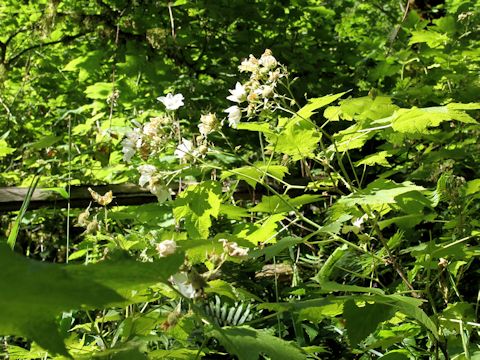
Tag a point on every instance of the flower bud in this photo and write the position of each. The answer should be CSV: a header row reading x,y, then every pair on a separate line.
x,y
166,248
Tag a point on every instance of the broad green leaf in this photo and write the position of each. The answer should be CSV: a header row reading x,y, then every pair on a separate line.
x,y
196,205
350,138
33,292
379,158
417,120
367,108
99,90
5,149
283,203
362,321
255,126
275,249
234,212
379,192
248,344
330,286
316,103
299,138
472,187
255,174
432,38
46,141
175,354
261,233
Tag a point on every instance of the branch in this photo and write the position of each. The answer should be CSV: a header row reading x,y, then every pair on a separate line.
x,y
65,39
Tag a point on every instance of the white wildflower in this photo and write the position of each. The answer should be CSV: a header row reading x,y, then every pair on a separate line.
x,y
208,124
184,150
171,102
249,65
151,127
234,116
239,94
132,141
183,284
232,248
358,224
166,248
146,173
267,60
160,191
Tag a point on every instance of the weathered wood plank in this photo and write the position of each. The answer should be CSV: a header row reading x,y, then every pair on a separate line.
x,y
11,198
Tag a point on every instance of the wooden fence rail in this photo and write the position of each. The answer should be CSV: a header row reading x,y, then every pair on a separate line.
x,y
11,198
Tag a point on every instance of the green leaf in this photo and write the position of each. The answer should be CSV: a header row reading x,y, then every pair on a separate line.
x,y
249,344
350,138
316,103
417,120
275,249
46,141
266,232
379,192
33,292
298,138
255,174
196,205
234,212
431,38
5,149
362,321
379,158
12,237
255,126
99,90
283,203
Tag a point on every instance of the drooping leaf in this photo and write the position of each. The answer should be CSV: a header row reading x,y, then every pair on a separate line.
x,y
362,321
33,292
255,174
283,203
248,344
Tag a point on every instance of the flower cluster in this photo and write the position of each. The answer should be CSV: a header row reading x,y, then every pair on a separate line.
x,y
258,90
152,182
147,139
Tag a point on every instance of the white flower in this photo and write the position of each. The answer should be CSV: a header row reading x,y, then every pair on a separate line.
x,y
132,141
160,191
146,172
151,127
249,65
267,60
181,281
232,248
358,223
239,94
166,248
234,116
171,102
184,149
208,124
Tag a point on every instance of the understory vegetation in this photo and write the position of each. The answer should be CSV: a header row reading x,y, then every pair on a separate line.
x,y
314,166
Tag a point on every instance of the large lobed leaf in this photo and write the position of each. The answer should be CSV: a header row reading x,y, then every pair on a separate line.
x,y
33,292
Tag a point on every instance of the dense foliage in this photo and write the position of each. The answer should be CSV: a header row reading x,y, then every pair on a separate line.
x,y
316,165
